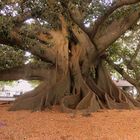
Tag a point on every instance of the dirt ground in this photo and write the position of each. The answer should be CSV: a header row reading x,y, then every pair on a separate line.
x,y
54,125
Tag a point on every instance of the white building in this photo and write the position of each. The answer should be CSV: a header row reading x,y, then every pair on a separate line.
x,y
18,88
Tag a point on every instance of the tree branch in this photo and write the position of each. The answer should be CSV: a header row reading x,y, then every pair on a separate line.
x,y
117,4
76,15
27,72
105,37
122,72
27,44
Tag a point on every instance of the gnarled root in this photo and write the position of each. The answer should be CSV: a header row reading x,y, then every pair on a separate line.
x,y
104,94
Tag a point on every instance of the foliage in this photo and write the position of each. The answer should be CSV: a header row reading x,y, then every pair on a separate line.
x,y
123,52
10,57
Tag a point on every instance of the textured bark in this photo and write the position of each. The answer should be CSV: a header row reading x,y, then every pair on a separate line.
x,y
75,90
105,37
27,72
69,82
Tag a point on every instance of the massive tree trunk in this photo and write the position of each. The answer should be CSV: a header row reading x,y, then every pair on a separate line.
x,y
71,84
74,89
78,79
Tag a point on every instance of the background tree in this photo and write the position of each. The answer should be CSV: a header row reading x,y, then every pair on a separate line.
x,y
124,56
70,54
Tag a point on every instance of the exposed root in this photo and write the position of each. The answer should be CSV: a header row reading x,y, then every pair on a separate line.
x,y
43,96
93,97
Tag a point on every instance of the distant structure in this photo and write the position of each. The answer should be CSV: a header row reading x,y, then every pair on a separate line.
x,y
9,93
125,85
16,89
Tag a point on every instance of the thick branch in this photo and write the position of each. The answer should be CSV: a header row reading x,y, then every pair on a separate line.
x,y
113,31
35,47
117,4
79,20
76,15
123,73
27,72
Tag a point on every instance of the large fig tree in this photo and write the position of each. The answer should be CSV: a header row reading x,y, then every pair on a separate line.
x,y
71,37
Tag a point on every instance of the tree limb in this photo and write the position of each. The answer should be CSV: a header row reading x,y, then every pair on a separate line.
x,y
27,72
117,4
105,37
35,47
122,72
76,15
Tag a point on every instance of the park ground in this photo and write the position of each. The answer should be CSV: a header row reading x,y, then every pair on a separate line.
x,y
54,125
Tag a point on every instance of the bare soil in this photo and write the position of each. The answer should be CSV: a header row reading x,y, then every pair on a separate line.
x,y
54,125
